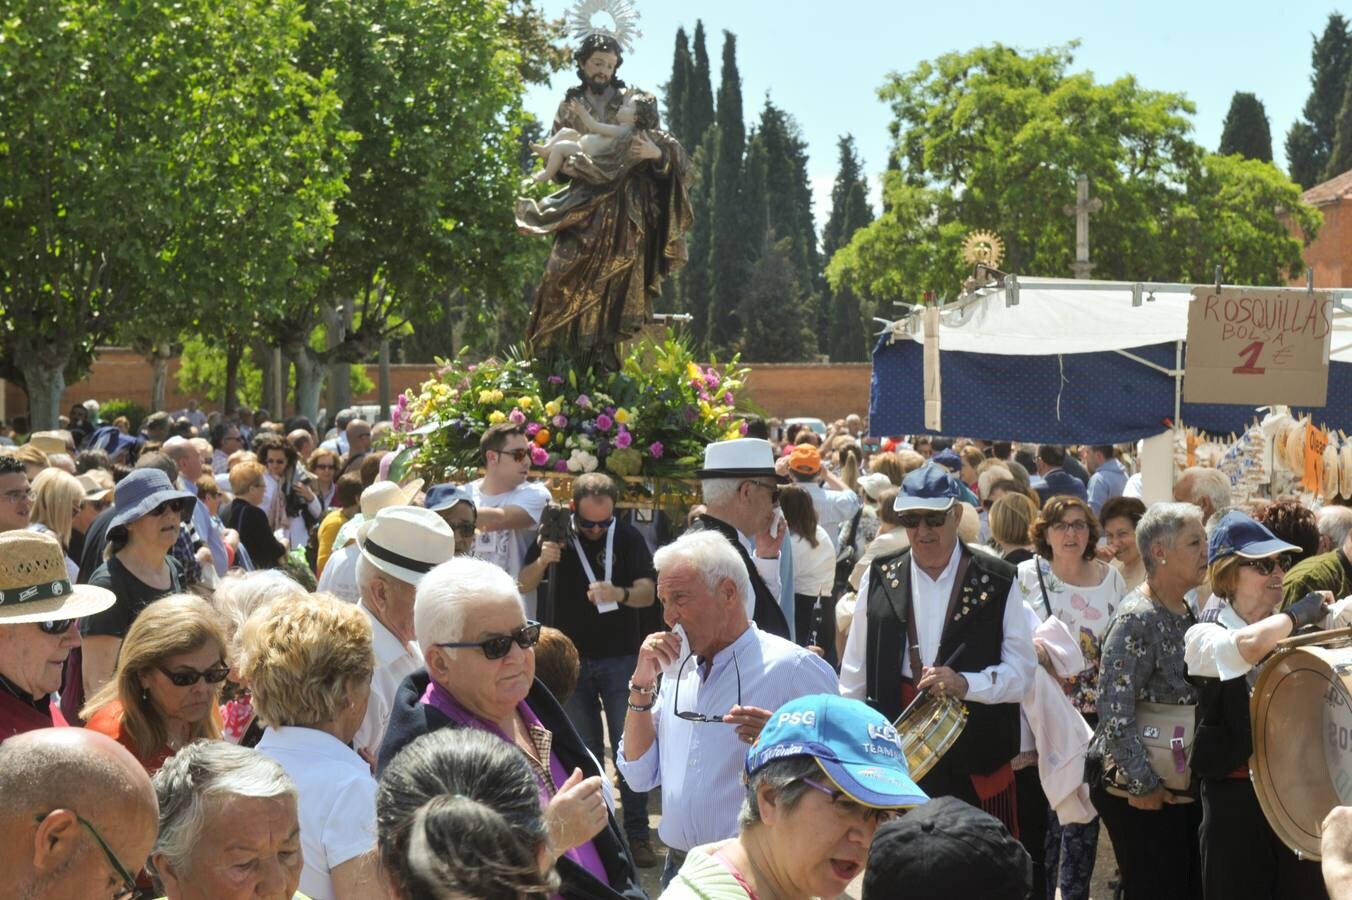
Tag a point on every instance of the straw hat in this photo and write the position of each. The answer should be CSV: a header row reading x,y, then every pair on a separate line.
x,y
1295,448
381,494
1331,478
34,586
95,488
48,441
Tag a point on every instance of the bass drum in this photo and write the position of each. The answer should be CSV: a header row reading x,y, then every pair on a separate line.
x,y
1301,710
928,729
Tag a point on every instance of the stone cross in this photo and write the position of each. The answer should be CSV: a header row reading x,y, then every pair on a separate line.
x,y
1081,210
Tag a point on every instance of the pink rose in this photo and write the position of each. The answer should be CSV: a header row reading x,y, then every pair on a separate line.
x,y
655,449
560,421
728,399
532,429
561,466
583,401
555,379
517,416
539,456
623,439
743,429
604,422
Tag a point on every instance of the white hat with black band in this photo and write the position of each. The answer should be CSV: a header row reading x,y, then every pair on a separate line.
x,y
406,542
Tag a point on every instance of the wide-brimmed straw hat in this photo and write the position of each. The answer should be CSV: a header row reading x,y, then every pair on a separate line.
x,y
34,586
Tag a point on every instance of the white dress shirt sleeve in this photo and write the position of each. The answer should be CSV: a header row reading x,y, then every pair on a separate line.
x,y
1005,681
644,773
853,678
1210,651
769,570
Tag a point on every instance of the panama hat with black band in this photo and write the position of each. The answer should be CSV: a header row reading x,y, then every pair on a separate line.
x,y
34,586
740,458
406,542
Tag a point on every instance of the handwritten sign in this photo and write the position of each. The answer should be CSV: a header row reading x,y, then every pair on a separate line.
x,y
1312,478
1255,346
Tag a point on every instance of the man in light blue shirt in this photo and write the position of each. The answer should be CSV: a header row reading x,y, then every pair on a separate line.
x,y
721,678
190,468
1107,478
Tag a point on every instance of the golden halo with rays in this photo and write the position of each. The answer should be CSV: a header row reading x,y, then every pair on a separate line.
x,y
623,16
984,248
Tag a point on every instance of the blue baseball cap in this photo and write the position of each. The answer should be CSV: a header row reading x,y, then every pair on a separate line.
x,y
1239,535
444,496
949,459
854,744
928,487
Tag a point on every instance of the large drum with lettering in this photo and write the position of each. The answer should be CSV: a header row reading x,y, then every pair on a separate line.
x,y
1301,711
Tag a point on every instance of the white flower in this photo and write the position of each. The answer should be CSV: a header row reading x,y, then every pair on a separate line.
x,y
582,461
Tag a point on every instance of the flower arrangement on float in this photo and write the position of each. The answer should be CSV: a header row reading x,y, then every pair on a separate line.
x,y
651,418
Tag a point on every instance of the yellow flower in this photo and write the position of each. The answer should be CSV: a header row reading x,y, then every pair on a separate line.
x,y
497,396
485,396
734,432
524,402
552,408
692,371
622,415
496,416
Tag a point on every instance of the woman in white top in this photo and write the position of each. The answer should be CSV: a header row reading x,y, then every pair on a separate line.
x,y
814,572
308,661
1067,580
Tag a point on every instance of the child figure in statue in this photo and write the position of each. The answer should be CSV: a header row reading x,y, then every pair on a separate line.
x,y
607,146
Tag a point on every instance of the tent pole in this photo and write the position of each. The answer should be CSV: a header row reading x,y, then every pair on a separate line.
x,y
1178,384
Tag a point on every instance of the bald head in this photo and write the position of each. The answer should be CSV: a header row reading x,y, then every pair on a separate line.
x,y
63,775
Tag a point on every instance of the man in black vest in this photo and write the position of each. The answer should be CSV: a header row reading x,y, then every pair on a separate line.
x,y
741,499
942,617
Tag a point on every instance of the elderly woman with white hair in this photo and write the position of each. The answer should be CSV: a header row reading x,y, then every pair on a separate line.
x,y
229,825
479,649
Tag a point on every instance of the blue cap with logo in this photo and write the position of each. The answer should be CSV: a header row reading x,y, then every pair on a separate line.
x,y
1239,535
949,459
928,487
444,496
854,744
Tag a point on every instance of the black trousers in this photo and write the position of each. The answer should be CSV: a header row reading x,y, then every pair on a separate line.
x,y
1033,824
1157,851
815,623
1242,858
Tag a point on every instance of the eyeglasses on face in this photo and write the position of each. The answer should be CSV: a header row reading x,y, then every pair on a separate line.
x,y
128,891
1063,527
845,805
517,455
585,524
99,505
276,460
525,637
176,506
18,496
214,675
55,626
934,519
692,716
772,488
1270,564
320,467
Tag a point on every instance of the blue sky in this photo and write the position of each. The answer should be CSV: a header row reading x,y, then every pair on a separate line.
x,y
823,62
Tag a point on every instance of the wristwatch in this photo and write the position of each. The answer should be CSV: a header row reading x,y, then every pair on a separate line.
x,y
624,601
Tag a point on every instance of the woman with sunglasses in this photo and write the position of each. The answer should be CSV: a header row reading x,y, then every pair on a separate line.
x,y
323,465
245,514
162,696
147,514
1241,855
480,674
309,661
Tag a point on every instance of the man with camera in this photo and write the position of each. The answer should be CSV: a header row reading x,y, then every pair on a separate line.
x,y
602,574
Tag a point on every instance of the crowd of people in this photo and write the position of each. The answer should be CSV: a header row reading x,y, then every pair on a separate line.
x,y
241,657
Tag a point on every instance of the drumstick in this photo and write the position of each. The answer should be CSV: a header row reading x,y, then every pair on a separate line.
x,y
948,663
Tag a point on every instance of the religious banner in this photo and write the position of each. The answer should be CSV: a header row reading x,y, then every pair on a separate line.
x,y
1258,346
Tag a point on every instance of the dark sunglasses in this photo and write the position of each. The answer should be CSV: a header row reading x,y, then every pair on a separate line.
x,y
584,524
215,675
517,455
525,637
932,519
99,505
691,715
1268,565
128,891
176,505
772,488
319,467
55,626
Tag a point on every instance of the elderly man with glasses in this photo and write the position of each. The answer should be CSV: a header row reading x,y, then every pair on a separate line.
x,y
720,678
479,649
938,617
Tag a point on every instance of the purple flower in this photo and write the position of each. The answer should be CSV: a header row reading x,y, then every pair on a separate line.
x,y
623,439
655,449
743,428
517,416
561,466
560,421
728,399
555,379
583,401
610,410
711,379
532,429
471,367
604,422
704,395
539,456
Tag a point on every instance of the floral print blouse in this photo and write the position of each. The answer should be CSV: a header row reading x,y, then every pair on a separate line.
x,y
1142,661
1087,612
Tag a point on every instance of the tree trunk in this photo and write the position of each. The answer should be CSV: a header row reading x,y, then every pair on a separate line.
x,y
309,383
262,354
159,376
45,382
234,356
278,399
384,387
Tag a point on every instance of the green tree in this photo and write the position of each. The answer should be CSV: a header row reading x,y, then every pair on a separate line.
x,y
1309,143
727,277
1246,130
1340,157
849,172
848,336
156,160
699,109
677,90
695,283
777,314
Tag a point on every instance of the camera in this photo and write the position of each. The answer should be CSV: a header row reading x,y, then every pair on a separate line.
x,y
556,524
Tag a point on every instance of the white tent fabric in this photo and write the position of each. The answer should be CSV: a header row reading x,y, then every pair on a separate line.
x,y
1064,315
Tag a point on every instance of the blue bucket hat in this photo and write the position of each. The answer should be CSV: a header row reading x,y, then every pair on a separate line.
x,y
143,490
1239,535
444,496
854,744
928,487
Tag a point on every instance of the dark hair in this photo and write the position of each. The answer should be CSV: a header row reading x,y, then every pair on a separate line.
x,y
1052,454
458,813
11,465
156,421
645,111
557,663
1122,508
1001,449
1108,450
495,438
595,484
91,459
369,468
799,513
1054,511
266,440
218,431
595,43
756,427
347,490
1291,522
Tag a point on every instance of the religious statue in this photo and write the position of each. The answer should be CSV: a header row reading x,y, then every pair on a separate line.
x,y
620,219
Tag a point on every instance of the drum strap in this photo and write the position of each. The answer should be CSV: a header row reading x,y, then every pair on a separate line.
x,y
913,649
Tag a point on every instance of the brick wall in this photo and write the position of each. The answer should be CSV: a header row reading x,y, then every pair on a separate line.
x,y
827,391
1330,254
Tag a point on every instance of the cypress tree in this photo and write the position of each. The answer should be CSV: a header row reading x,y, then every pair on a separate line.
x,y
678,88
694,278
699,98
756,231
848,335
849,173
1340,157
726,272
1246,129
1309,143
777,314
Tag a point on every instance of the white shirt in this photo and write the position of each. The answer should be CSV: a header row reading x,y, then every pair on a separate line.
x,y
337,801
834,508
340,574
1003,682
699,765
1209,648
395,661
506,548
814,568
